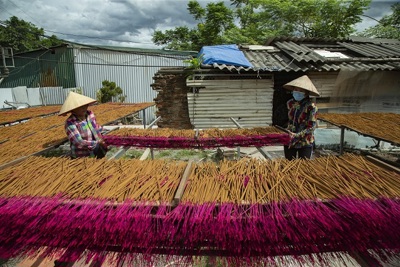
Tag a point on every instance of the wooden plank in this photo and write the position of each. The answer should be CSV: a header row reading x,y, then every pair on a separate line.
x,y
145,155
230,83
38,262
16,161
154,122
229,102
227,125
373,136
383,164
362,133
231,113
182,184
364,259
281,128
231,92
265,154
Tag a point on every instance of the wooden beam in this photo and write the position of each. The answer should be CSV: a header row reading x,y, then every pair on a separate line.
x,y
154,122
361,133
182,184
382,164
145,155
364,259
38,262
16,161
265,154
120,153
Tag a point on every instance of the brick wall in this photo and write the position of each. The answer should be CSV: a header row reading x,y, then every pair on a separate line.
x,y
171,100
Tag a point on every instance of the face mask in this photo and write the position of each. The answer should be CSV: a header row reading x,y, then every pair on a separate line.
x,y
298,96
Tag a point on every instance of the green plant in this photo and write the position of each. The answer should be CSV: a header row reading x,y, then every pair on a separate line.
x,y
164,153
109,91
77,90
195,62
133,154
186,153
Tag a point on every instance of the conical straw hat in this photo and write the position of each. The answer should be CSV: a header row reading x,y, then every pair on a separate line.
x,y
73,101
303,83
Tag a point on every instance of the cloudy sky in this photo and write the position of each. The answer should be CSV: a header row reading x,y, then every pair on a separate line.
x,y
122,22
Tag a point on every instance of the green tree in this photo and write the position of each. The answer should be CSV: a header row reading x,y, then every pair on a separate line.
x,y
213,22
388,27
109,91
254,21
24,36
303,18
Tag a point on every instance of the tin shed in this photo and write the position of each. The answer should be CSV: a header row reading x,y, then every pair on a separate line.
x,y
352,75
85,67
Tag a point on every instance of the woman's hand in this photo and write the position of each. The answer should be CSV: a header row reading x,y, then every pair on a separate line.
x,y
103,144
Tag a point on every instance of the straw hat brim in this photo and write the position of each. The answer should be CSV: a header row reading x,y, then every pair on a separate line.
x,y
73,101
303,83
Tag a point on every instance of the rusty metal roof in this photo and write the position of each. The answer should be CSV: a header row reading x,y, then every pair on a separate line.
x,y
286,54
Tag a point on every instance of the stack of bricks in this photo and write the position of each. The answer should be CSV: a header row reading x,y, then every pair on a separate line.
x,y
171,101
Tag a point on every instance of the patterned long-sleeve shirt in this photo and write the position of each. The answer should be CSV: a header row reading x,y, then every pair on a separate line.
x,y
83,135
302,122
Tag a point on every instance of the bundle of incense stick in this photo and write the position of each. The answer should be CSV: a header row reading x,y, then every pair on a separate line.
x,y
9,116
109,112
207,133
90,178
248,211
172,138
37,134
381,125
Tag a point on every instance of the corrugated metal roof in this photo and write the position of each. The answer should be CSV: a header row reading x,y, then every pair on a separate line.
x,y
135,50
356,66
371,50
286,54
303,39
272,61
299,52
394,47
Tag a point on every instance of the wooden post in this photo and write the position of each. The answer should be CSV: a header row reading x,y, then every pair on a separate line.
x,y
144,118
341,140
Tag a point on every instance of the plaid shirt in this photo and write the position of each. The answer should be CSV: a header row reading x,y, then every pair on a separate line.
x,y
302,122
83,135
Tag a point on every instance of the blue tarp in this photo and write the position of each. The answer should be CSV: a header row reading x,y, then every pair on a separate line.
x,y
224,54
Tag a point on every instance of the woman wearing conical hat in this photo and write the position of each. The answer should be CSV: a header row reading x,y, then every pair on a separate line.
x,y
302,113
81,127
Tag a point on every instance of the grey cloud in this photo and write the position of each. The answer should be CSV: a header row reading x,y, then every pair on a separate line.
x,y
131,20
378,9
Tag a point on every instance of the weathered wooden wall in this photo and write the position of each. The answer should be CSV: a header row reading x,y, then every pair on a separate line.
x,y
171,100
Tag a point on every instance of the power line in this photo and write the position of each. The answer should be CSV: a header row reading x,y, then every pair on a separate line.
x,y
99,38
23,11
6,10
76,35
379,22
102,64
